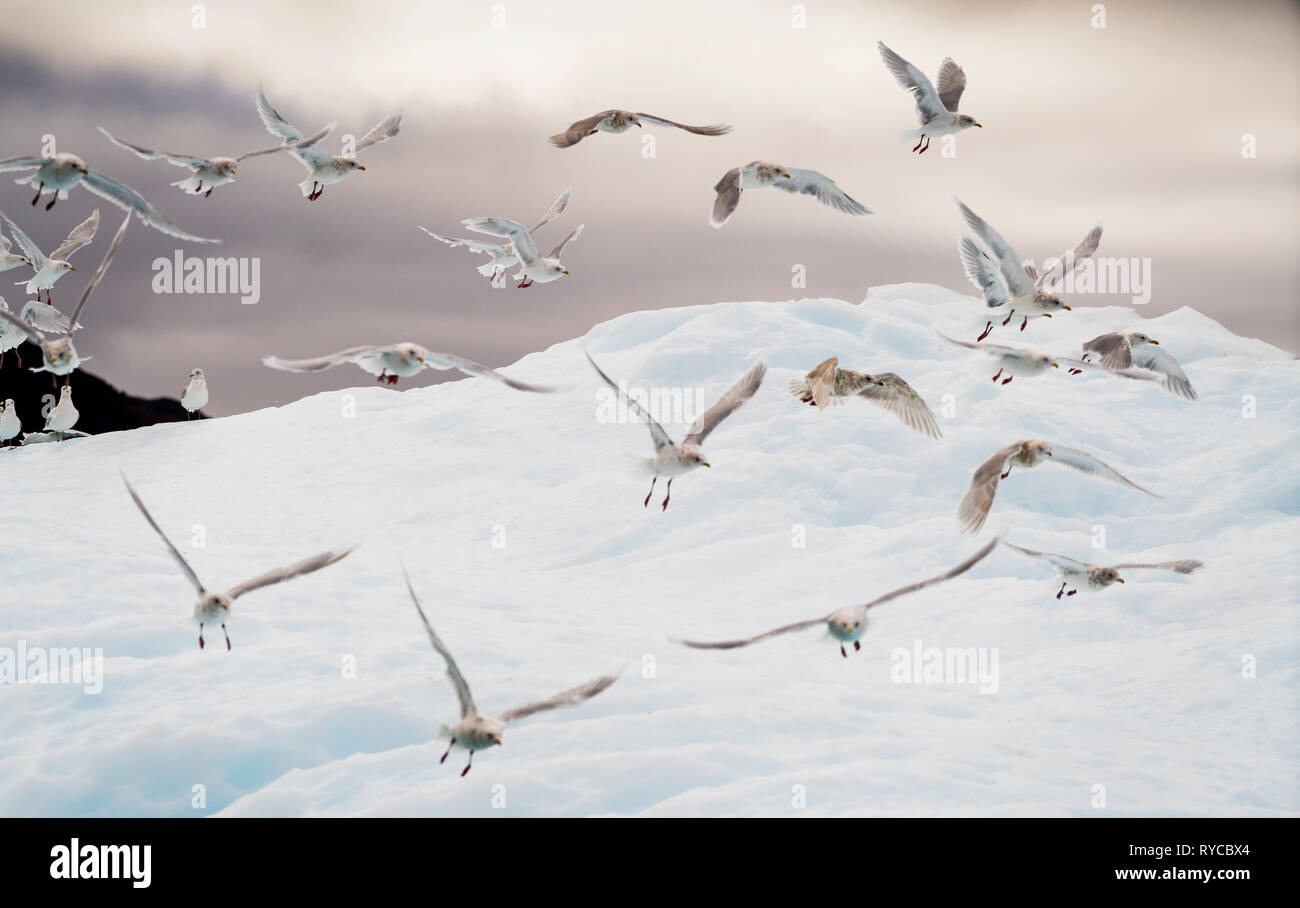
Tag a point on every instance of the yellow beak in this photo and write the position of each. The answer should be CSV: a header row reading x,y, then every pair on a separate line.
x,y
1056,365
980,125
499,744
1120,579
708,464
361,167
1156,342
85,172
1066,308
566,270
72,267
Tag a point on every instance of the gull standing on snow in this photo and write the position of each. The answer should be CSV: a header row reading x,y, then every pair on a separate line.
x,y
533,268
937,110
49,269
1014,290
210,172
672,459
215,606
64,171
847,625
617,121
974,507
477,732
1121,351
10,260
64,415
828,385
503,256
10,424
59,356
1095,577
323,168
397,361
757,174
1020,361
195,395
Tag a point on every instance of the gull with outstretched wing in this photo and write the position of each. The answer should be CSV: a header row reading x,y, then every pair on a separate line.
x,y
619,121
936,108
1134,349
47,269
1083,575
758,174
828,385
503,255
396,361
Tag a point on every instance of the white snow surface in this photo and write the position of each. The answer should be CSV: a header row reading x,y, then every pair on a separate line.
x,y
1168,695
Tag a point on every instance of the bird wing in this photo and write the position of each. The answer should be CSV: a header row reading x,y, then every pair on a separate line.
x,y
175,553
297,569
974,507
1054,272
180,160
469,367
1000,349
1149,356
382,131
129,200
300,149
1139,374
736,395
321,363
1182,566
573,235
578,130
981,272
29,248
728,190
44,317
733,644
1086,463
571,697
715,129
820,382
100,271
557,208
823,189
4,243
471,245
657,433
1059,561
952,82
1113,350
1013,271
899,398
82,234
467,707
525,248
928,103
22,163
21,325
946,575
276,124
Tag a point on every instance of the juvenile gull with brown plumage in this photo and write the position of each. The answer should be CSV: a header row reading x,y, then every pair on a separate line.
x,y
757,174
619,121
828,385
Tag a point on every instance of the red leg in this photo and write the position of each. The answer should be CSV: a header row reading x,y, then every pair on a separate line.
x,y
1008,318
392,379
646,503
1025,322
200,635
53,198
39,189
918,143
987,328
468,765
448,753
1007,473
842,653
1007,380
1071,593
857,646
1061,591
667,495
208,194
999,375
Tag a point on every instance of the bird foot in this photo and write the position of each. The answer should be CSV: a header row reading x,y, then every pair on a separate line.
x,y
857,646
1075,371
1072,592
53,198
1006,474
392,379
987,329
1024,323
1007,379
208,194
1007,320
842,653
998,375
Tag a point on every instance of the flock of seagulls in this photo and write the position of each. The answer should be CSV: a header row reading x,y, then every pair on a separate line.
x,y
1012,291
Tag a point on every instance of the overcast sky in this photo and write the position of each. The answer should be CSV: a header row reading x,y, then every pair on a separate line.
x,y
1139,124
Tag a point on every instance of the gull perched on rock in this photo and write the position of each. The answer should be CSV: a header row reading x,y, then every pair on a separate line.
x,y
1122,351
503,256
323,168
937,109
195,395
215,606
478,732
10,260
757,174
10,424
1096,577
847,625
533,267
49,269
974,507
1008,287
1021,361
397,361
64,415
828,385
617,121
59,355
210,172
64,171
672,459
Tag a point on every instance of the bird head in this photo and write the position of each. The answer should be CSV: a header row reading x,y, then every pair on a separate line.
x,y
966,122
1106,576
1138,337
196,373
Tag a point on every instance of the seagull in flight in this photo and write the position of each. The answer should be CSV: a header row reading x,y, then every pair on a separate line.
x,y
828,385
478,732
937,109
48,269
323,168
214,606
210,172
1135,349
396,361
1021,361
617,121
847,625
64,171
503,256
1082,575
673,459
757,174
534,268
